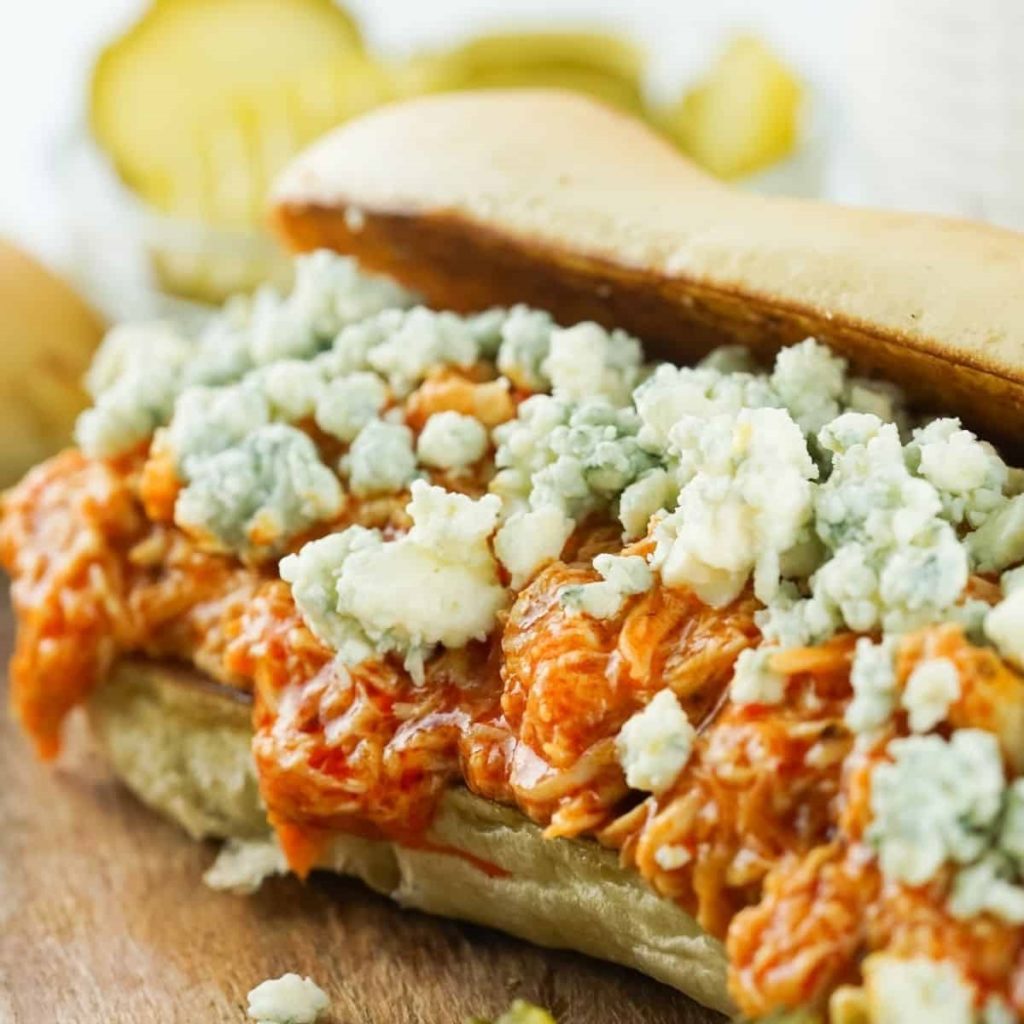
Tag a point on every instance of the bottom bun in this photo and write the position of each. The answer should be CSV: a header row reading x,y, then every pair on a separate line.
x,y
182,744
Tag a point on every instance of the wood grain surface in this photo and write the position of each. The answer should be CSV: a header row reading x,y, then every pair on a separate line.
x,y
104,920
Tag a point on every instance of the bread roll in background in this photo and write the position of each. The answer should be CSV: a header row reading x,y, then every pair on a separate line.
x,y
47,336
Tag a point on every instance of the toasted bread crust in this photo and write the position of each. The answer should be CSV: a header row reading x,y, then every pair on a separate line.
x,y
182,745
551,199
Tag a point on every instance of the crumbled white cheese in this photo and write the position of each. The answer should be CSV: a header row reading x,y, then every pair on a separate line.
x,y
746,502
901,991
381,459
313,575
486,328
967,473
1012,580
936,801
586,361
208,420
998,1011
730,359
242,865
134,380
933,686
986,888
653,491
451,440
419,340
577,458
880,398
525,343
999,541
348,403
655,743
1011,831
125,415
331,291
810,381
1004,626
753,680
436,585
622,576
350,350
223,351
292,387
126,349
892,560
993,883
873,677
253,497
529,540
289,999
672,856
790,620
673,393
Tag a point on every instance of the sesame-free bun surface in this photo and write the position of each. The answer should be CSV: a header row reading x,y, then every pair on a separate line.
x,y
182,744
545,197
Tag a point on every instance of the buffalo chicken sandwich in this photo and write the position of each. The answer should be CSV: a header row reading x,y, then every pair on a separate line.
x,y
579,548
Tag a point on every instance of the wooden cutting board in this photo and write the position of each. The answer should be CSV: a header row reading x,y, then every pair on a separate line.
x,y
104,920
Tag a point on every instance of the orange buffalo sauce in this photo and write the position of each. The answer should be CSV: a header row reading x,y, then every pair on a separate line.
x,y
761,836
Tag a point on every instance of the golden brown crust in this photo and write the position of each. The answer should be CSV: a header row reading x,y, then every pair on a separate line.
x,y
182,745
548,198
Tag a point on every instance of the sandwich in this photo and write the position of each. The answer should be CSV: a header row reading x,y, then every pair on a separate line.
x,y
580,548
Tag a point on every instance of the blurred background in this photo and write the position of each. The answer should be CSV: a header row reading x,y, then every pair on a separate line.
x,y
140,136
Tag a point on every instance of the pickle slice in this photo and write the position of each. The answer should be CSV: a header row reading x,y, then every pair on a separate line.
x,y
602,65
744,116
202,102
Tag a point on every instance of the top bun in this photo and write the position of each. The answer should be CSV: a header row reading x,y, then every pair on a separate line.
x,y
545,197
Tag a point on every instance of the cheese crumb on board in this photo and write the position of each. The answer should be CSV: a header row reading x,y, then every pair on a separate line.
x,y
290,999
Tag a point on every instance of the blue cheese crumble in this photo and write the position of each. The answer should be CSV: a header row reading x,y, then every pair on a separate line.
x,y
290,999
650,493
292,387
936,801
586,361
672,393
438,584
754,681
419,340
898,991
933,686
999,541
810,381
528,540
967,473
139,370
746,501
892,560
451,440
253,497
134,379
381,459
577,457
1004,624
524,348
622,576
209,420
348,403
655,743
873,678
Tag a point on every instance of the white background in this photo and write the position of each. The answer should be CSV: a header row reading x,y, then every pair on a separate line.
x,y
47,46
